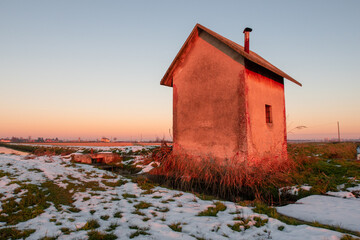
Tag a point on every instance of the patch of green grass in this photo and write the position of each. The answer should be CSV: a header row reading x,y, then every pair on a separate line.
x,y
92,185
139,231
212,211
48,238
143,205
94,194
14,233
163,209
90,224
82,186
281,228
130,167
65,231
205,197
237,211
57,195
143,183
347,237
178,195
259,222
105,217
112,227
147,192
35,170
145,219
138,212
96,235
118,183
23,148
92,212
107,176
3,174
74,209
128,195
242,223
235,227
176,227
118,215
168,200
32,203
157,197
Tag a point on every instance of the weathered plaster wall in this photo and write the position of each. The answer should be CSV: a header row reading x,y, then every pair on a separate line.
x,y
265,139
208,102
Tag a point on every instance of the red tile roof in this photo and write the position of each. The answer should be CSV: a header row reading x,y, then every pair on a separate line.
x,y
252,56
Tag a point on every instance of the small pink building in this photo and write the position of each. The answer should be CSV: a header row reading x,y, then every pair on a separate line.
x,y
227,100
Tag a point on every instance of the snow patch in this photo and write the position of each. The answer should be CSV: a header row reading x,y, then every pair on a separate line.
x,y
333,211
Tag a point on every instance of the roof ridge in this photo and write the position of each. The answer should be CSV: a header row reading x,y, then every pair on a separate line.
x,y
251,56
240,49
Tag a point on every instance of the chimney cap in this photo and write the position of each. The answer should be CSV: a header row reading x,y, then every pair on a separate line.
x,y
247,30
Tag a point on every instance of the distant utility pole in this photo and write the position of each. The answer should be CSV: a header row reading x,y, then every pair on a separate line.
x,y
338,131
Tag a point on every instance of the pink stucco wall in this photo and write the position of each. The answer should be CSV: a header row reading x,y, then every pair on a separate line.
x,y
207,102
265,139
219,105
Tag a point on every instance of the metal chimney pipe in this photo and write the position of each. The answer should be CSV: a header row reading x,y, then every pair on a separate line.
x,y
247,39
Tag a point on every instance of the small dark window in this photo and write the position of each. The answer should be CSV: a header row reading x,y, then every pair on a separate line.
x,y
268,113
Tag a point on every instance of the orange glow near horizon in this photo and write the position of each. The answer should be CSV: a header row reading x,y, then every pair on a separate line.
x,y
85,126
122,127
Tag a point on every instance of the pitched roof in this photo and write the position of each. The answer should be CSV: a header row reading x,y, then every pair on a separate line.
x,y
251,56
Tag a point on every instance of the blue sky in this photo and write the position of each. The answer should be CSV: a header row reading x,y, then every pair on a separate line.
x,y
89,69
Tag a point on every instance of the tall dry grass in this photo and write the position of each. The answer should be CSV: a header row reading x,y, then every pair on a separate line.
x,y
232,179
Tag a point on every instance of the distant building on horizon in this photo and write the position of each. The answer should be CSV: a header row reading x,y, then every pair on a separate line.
x,y
104,139
227,100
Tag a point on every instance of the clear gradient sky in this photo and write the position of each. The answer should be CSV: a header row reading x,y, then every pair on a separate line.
x,y
89,69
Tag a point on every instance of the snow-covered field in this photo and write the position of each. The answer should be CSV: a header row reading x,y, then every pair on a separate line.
x,y
330,210
4,150
125,210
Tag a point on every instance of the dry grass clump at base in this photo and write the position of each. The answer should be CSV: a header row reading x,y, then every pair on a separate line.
x,y
224,178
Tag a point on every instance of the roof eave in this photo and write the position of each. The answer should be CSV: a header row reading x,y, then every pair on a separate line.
x,y
168,77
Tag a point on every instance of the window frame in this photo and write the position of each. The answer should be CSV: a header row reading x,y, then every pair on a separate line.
x,y
268,114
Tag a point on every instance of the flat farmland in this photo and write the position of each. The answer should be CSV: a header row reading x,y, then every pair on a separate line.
x,y
97,144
